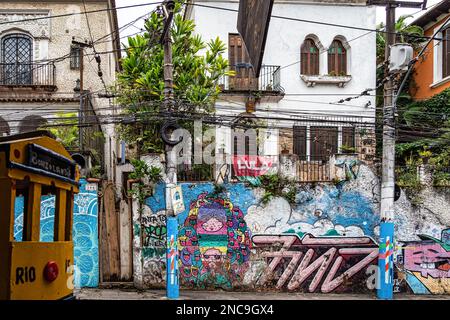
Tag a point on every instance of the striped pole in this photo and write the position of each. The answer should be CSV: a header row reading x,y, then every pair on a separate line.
x,y
386,261
173,287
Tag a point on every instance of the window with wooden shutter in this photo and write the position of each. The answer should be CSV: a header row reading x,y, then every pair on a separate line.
x,y
309,58
240,63
324,143
300,142
337,59
446,53
348,140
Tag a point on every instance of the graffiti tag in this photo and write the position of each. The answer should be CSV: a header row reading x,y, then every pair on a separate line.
x,y
330,261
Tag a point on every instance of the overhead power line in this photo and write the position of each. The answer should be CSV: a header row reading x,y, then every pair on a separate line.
x,y
80,13
319,22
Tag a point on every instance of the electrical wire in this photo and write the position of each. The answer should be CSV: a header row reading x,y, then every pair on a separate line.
x,y
315,22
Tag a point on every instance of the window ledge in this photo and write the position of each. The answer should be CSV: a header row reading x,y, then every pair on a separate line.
x,y
340,81
440,82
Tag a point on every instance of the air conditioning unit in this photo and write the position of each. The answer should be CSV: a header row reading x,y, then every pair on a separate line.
x,y
401,56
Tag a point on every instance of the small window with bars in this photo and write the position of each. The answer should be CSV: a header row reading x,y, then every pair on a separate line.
x,y
75,58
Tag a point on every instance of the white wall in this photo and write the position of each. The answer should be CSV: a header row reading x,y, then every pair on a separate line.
x,y
283,48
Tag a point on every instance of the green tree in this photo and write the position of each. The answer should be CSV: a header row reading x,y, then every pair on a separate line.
x,y
198,66
67,132
425,126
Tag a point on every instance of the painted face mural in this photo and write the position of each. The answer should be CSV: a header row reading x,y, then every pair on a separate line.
x,y
214,243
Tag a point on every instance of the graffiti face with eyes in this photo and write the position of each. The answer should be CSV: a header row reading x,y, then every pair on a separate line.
x,y
212,258
212,225
430,259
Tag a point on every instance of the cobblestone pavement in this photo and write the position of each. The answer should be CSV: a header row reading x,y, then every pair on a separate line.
x,y
133,294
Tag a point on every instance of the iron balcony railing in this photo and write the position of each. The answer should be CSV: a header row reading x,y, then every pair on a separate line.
x,y
27,74
245,80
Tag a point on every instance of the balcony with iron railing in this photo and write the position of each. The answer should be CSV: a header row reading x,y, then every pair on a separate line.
x,y
244,80
31,76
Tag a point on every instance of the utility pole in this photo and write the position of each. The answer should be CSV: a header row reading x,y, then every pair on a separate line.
x,y
80,46
386,249
171,170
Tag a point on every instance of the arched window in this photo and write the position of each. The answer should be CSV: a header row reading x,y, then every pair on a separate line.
x,y
337,59
31,123
309,58
16,59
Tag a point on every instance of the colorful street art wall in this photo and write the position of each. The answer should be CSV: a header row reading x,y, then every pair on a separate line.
x,y
214,241
325,242
85,231
229,240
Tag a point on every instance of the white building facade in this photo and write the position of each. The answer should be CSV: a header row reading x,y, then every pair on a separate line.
x,y
309,66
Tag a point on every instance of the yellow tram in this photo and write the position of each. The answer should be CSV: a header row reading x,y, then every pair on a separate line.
x,y
34,165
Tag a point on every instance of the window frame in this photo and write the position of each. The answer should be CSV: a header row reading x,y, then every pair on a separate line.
x,y
337,62
16,72
309,67
75,58
324,142
446,52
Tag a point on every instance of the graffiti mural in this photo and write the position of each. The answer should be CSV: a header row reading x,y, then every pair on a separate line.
x,y
348,207
323,264
322,242
85,235
153,227
427,264
320,211
154,230
213,235
85,231
214,243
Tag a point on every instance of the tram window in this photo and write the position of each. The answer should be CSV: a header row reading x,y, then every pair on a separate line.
x,y
19,212
20,209
47,212
48,198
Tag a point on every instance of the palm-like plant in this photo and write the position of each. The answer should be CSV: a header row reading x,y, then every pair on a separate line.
x,y
405,34
198,67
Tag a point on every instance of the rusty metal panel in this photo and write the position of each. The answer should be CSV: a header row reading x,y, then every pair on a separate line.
x,y
253,25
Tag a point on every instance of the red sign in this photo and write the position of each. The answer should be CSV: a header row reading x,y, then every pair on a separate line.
x,y
252,166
